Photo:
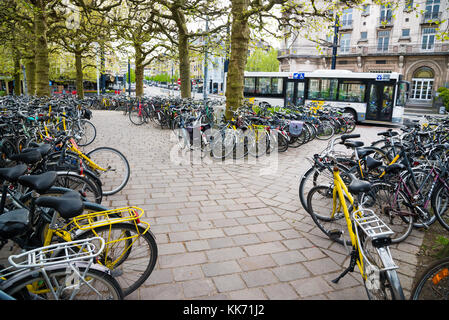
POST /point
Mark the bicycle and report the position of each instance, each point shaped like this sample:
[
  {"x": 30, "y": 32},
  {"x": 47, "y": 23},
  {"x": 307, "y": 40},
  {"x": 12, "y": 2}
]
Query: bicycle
[
  {"x": 63, "y": 271},
  {"x": 368, "y": 235},
  {"x": 433, "y": 283}
]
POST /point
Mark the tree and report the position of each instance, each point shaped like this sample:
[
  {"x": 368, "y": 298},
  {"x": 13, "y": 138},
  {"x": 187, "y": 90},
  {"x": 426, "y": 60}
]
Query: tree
[
  {"x": 288, "y": 14},
  {"x": 262, "y": 60}
]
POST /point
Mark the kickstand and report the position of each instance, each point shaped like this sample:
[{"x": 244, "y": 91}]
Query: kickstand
[{"x": 351, "y": 267}]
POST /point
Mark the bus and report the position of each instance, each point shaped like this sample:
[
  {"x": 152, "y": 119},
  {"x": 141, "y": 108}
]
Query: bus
[{"x": 369, "y": 97}]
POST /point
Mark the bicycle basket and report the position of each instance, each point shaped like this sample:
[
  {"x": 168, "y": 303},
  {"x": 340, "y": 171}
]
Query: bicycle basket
[{"x": 295, "y": 128}]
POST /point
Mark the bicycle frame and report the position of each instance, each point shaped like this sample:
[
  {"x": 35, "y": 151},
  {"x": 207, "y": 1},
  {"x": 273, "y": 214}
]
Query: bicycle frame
[{"x": 341, "y": 190}]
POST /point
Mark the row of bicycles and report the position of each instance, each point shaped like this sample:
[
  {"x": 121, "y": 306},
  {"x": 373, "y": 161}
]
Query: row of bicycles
[
  {"x": 369, "y": 198},
  {"x": 252, "y": 130},
  {"x": 70, "y": 245}
]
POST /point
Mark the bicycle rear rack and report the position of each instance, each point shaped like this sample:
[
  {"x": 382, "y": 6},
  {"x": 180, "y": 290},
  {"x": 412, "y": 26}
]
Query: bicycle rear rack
[
  {"x": 60, "y": 253},
  {"x": 371, "y": 224}
]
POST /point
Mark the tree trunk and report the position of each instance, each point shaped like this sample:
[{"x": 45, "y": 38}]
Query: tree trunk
[
  {"x": 184, "y": 65},
  {"x": 139, "y": 70},
  {"x": 30, "y": 70},
  {"x": 17, "y": 70},
  {"x": 183, "y": 51},
  {"x": 42, "y": 63},
  {"x": 237, "y": 61},
  {"x": 79, "y": 75}
]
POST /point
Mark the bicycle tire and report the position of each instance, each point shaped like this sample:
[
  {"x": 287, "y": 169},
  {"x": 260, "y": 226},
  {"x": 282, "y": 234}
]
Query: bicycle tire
[
  {"x": 99, "y": 280},
  {"x": 385, "y": 285},
  {"x": 136, "y": 116},
  {"x": 432, "y": 276},
  {"x": 119, "y": 162},
  {"x": 126, "y": 265},
  {"x": 439, "y": 203},
  {"x": 80, "y": 183},
  {"x": 327, "y": 224},
  {"x": 90, "y": 138}
]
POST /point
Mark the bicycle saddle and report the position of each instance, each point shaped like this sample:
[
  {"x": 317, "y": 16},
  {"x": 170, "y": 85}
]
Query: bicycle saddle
[
  {"x": 69, "y": 205},
  {"x": 14, "y": 223},
  {"x": 372, "y": 163},
  {"x": 358, "y": 186},
  {"x": 44, "y": 149},
  {"x": 395, "y": 168},
  {"x": 40, "y": 182},
  {"x": 13, "y": 173},
  {"x": 30, "y": 157},
  {"x": 353, "y": 144},
  {"x": 363, "y": 152}
]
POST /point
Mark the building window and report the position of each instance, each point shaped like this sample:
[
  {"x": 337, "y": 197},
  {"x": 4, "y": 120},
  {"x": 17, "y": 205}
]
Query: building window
[
  {"x": 383, "y": 38},
  {"x": 363, "y": 35},
  {"x": 365, "y": 9},
  {"x": 432, "y": 9},
  {"x": 346, "y": 19},
  {"x": 351, "y": 91},
  {"x": 408, "y": 5},
  {"x": 345, "y": 42},
  {"x": 422, "y": 84},
  {"x": 428, "y": 38},
  {"x": 405, "y": 33},
  {"x": 385, "y": 14}
]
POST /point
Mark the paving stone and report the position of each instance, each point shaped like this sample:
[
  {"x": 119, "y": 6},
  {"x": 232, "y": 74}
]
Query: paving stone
[
  {"x": 198, "y": 288},
  {"x": 220, "y": 268},
  {"x": 281, "y": 291},
  {"x": 259, "y": 278},
  {"x": 229, "y": 283}
]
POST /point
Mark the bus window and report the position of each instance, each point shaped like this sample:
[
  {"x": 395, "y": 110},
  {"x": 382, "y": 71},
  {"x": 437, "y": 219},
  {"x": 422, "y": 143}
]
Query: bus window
[
  {"x": 314, "y": 89},
  {"x": 263, "y": 86},
  {"x": 351, "y": 91},
  {"x": 325, "y": 89},
  {"x": 300, "y": 93},
  {"x": 276, "y": 85},
  {"x": 250, "y": 85},
  {"x": 329, "y": 89},
  {"x": 402, "y": 92}
]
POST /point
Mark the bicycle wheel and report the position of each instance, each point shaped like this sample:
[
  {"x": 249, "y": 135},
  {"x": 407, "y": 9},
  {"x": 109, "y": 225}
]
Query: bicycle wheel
[
  {"x": 130, "y": 253},
  {"x": 380, "y": 283},
  {"x": 93, "y": 285},
  {"x": 136, "y": 115},
  {"x": 88, "y": 133},
  {"x": 440, "y": 205},
  {"x": 325, "y": 131},
  {"x": 80, "y": 183},
  {"x": 320, "y": 204},
  {"x": 392, "y": 207},
  {"x": 317, "y": 176},
  {"x": 117, "y": 168},
  {"x": 433, "y": 284}
]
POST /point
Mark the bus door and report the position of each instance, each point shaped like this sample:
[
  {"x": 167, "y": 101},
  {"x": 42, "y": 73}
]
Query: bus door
[
  {"x": 294, "y": 93},
  {"x": 380, "y": 101}
]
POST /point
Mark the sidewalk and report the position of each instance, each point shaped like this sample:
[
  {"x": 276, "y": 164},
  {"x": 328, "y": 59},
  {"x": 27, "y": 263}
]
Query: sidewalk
[{"x": 224, "y": 231}]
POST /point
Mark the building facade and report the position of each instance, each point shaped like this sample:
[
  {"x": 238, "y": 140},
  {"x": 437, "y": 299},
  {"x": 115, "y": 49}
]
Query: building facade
[{"x": 383, "y": 39}]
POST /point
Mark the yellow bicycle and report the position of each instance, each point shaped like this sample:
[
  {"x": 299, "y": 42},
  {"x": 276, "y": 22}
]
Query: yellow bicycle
[
  {"x": 367, "y": 239},
  {"x": 130, "y": 249}
]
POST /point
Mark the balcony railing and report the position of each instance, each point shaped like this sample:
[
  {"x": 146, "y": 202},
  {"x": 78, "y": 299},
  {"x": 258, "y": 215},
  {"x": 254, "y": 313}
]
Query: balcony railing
[
  {"x": 384, "y": 22},
  {"x": 394, "y": 49},
  {"x": 373, "y": 50},
  {"x": 345, "y": 25}
]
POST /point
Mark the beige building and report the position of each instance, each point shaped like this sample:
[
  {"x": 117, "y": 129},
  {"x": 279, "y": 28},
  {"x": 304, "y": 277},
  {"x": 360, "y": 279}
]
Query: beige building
[{"x": 383, "y": 39}]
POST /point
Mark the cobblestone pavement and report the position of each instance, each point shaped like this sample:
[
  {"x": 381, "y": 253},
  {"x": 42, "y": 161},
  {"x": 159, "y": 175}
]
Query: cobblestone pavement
[{"x": 224, "y": 231}]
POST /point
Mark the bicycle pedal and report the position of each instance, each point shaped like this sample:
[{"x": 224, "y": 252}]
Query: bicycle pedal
[{"x": 335, "y": 234}]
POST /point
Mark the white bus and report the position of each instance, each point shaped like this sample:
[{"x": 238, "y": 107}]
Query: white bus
[{"x": 370, "y": 97}]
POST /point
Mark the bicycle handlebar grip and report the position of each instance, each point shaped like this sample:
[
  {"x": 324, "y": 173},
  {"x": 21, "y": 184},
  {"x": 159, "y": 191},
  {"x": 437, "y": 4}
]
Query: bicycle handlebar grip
[{"x": 349, "y": 136}]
